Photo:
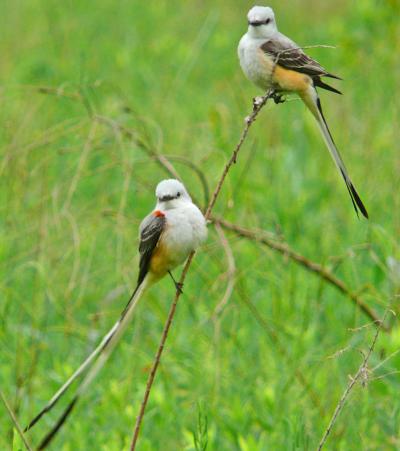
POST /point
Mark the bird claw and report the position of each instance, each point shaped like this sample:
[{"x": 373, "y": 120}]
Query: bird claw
[
  {"x": 278, "y": 98},
  {"x": 179, "y": 287}
]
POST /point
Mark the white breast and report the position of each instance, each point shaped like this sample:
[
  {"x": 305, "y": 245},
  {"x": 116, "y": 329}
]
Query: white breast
[
  {"x": 256, "y": 66},
  {"x": 185, "y": 231}
]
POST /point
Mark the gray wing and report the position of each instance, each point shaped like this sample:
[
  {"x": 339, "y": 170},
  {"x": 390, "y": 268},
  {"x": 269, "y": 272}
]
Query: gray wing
[
  {"x": 289, "y": 56},
  {"x": 150, "y": 231}
]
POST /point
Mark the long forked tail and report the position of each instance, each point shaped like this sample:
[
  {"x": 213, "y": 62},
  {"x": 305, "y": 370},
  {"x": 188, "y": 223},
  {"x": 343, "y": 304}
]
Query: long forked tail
[
  {"x": 102, "y": 351},
  {"x": 311, "y": 99}
]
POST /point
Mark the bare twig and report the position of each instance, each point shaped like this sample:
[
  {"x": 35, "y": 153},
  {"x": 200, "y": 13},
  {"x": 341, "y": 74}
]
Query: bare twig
[
  {"x": 134, "y": 137},
  {"x": 59, "y": 92},
  {"x": 360, "y": 375},
  {"x": 15, "y": 422},
  {"x": 163, "y": 160},
  {"x": 316, "y": 268},
  {"x": 317, "y": 46},
  {"x": 249, "y": 121},
  {"x": 200, "y": 174}
]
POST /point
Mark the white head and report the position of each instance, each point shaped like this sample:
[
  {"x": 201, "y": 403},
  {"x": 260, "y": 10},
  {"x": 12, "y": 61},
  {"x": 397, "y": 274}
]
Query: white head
[
  {"x": 171, "y": 194},
  {"x": 261, "y": 21}
]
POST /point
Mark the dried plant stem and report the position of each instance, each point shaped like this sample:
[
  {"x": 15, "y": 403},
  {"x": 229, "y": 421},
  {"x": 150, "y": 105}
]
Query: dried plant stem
[
  {"x": 249, "y": 121},
  {"x": 15, "y": 422},
  {"x": 316, "y": 268},
  {"x": 157, "y": 358},
  {"x": 140, "y": 142},
  {"x": 361, "y": 371},
  {"x": 258, "y": 105}
]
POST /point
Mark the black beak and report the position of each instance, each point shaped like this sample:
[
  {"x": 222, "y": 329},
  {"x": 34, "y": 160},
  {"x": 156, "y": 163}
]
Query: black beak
[
  {"x": 167, "y": 198},
  {"x": 256, "y": 23}
]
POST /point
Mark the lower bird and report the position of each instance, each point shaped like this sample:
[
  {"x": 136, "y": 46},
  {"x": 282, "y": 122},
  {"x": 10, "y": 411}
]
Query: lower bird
[
  {"x": 273, "y": 61},
  {"x": 168, "y": 235}
]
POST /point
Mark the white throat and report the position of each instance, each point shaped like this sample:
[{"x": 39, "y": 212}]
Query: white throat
[{"x": 262, "y": 31}]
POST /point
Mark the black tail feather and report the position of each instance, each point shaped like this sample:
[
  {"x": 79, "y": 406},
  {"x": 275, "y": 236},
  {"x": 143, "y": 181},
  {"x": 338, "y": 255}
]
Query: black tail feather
[
  {"x": 320, "y": 84},
  {"x": 355, "y": 198},
  {"x": 49, "y": 437},
  {"x": 358, "y": 201},
  {"x": 332, "y": 76}
]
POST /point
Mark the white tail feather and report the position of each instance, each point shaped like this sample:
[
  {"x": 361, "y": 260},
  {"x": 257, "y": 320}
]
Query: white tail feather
[
  {"x": 310, "y": 98},
  {"x": 105, "y": 348},
  {"x": 108, "y": 349}
]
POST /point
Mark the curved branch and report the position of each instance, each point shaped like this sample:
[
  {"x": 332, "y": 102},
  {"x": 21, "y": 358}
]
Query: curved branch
[{"x": 311, "y": 266}]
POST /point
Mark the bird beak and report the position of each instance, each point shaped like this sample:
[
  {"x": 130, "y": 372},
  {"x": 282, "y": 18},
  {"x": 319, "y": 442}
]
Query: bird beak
[
  {"x": 167, "y": 198},
  {"x": 256, "y": 23}
]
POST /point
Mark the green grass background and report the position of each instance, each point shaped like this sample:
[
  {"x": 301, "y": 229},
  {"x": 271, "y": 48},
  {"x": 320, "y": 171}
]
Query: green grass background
[{"x": 74, "y": 190}]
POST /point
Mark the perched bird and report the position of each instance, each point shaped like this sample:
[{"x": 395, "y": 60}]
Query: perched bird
[
  {"x": 174, "y": 229},
  {"x": 273, "y": 61}
]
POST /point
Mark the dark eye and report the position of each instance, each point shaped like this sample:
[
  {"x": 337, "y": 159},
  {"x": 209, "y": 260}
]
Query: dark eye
[
  {"x": 267, "y": 21},
  {"x": 178, "y": 194}
]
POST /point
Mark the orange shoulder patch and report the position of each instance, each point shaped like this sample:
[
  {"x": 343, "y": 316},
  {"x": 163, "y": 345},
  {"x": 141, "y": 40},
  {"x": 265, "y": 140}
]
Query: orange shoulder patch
[{"x": 158, "y": 214}]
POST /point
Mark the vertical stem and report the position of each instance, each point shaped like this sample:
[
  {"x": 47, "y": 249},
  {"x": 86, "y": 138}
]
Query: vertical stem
[{"x": 257, "y": 106}]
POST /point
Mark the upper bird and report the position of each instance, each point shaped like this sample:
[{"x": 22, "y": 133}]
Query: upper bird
[
  {"x": 273, "y": 61},
  {"x": 174, "y": 229}
]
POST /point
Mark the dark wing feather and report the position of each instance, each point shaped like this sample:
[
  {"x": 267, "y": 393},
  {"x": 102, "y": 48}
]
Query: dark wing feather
[
  {"x": 150, "y": 231},
  {"x": 294, "y": 59}
]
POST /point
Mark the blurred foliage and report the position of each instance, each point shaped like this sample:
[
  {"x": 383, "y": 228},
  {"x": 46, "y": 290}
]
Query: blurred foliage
[{"x": 73, "y": 191}]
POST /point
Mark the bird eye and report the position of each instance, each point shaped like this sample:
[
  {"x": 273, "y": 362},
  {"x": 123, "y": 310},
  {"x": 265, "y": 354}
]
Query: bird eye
[
  {"x": 178, "y": 194},
  {"x": 267, "y": 21}
]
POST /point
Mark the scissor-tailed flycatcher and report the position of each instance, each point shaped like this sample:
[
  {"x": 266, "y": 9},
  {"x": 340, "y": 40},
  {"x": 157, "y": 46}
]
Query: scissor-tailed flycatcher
[
  {"x": 168, "y": 235},
  {"x": 272, "y": 60}
]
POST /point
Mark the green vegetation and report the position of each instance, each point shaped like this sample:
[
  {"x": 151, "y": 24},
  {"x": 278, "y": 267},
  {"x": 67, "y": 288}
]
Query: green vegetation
[{"x": 73, "y": 190}]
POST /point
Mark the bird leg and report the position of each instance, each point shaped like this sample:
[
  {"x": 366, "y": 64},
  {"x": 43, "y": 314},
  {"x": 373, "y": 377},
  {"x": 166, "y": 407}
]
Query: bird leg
[{"x": 178, "y": 285}]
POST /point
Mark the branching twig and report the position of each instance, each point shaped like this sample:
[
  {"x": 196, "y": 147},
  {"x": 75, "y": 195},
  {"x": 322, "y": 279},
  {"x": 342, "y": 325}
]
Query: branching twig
[
  {"x": 362, "y": 370},
  {"x": 15, "y": 422},
  {"x": 249, "y": 121},
  {"x": 316, "y": 268}
]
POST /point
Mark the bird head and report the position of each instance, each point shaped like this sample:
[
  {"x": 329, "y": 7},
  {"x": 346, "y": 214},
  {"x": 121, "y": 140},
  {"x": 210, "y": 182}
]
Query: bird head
[
  {"x": 261, "y": 21},
  {"x": 171, "y": 194}
]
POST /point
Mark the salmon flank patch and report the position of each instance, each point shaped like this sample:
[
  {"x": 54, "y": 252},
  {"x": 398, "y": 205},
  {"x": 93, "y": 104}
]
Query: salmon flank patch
[
  {"x": 159, "y": 262},
  {"x": 158, "y": 214},
  {"x": 290, "y": 80}
]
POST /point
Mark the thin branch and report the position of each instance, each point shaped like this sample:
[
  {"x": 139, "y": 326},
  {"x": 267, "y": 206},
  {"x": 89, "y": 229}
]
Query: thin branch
[
  {"x": 311, "y": 266},
  {"x": 257, "y": 106},
  {"x": 15, "y": 422},
  {"x": 162, "y": 159},
  {"x": 200, "y": 174},
  {"x": 157, "y": 358},
  {"x": 134, "y": 137},
  {"x": 362, "y": 370},
  {"x": 317, "y": 46}
]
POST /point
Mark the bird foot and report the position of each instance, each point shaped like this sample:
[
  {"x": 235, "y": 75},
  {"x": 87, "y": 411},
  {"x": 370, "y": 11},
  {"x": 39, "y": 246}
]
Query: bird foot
[
  {"x": 278, "y": 98},
  {"x": 179, "y": 287}
]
